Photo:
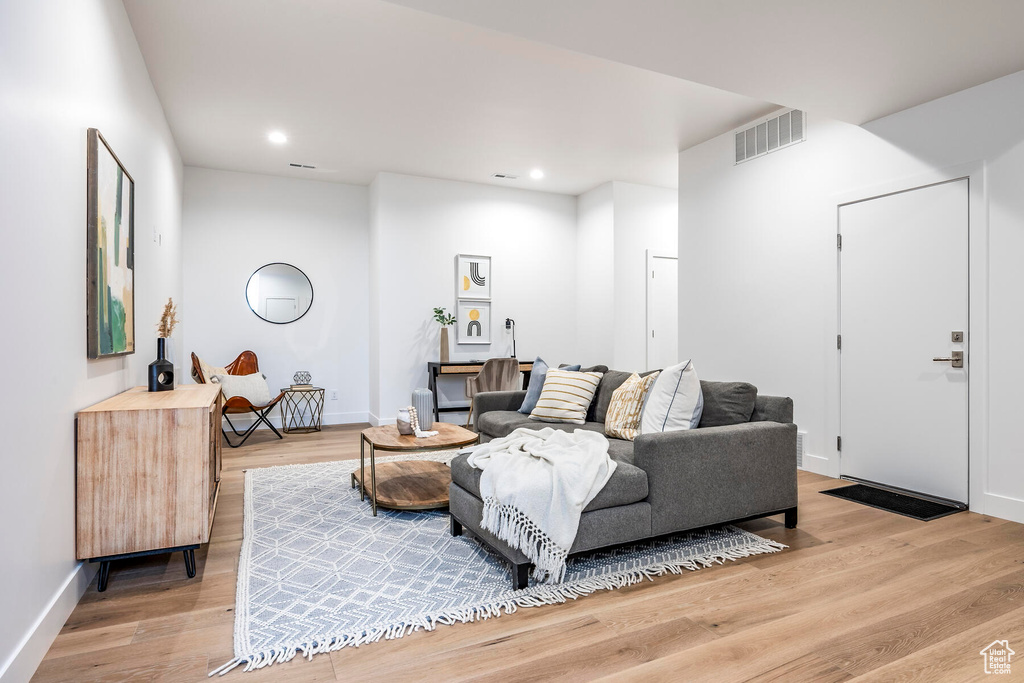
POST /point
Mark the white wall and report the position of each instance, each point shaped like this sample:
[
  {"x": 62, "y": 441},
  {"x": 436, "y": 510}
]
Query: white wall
[
  {"x": 646, "y": 219},
  {"x": 618, "y": 223},
  {"x": 67, "y": 66},
  {"x": 758, "y": 281},
  {"x": 234, "y": 223},
  {"x": 595, "y": 276},
  {"x": 420, "y": 225}
]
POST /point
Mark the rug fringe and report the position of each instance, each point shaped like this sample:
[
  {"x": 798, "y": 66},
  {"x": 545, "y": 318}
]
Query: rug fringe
[{"x": 540, "y": 594}]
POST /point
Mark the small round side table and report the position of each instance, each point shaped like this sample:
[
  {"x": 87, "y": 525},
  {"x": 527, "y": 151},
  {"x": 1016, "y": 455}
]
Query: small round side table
[{"x": 302, "y": 410}]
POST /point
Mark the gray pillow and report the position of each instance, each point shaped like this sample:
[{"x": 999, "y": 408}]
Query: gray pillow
[
  {"x": 727, "y": 403},
  {"x": 611, "y": 381}
]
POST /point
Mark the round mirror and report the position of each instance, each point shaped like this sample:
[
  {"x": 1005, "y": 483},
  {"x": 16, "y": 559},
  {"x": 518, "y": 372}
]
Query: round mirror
[{"x": 279, "y": 293}]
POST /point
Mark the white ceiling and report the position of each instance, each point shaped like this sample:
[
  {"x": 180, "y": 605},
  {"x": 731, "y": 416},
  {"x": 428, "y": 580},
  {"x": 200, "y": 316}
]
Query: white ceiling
[
  {"x": 587, "y": 90},
  {"x": 362, "y": 86},
  {"x": 853, "y": 60}
]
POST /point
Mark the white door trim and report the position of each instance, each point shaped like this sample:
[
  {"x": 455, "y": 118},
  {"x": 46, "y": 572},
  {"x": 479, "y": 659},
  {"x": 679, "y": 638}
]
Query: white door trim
[
  {"x": 650, "y": 256},
  {"x": 978, "y": 259}
]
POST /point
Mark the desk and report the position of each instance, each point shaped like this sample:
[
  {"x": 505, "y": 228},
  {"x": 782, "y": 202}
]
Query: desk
[{"x": 463, "y": 367}]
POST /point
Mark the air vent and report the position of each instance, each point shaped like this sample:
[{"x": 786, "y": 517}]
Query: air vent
[
  {"x": 504, "y": 176},
  {"x": 302, "y": 166},
  {"x": 767, "y": 136},
  {"x": 801, "y": 440}
]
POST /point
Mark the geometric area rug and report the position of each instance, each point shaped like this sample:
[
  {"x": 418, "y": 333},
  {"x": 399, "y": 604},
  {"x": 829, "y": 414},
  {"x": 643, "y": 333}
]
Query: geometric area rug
[{"x": 317, "y": 572}]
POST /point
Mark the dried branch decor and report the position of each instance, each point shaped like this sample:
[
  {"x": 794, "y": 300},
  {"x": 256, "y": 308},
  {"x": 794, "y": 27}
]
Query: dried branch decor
[{"x": 168, "y": 320}]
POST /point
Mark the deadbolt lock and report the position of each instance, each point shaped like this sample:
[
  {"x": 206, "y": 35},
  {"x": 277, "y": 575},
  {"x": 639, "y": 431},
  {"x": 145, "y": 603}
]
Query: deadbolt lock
[
  {"x": 956, "y": 358},
  {"x": 956, "y": 336}
]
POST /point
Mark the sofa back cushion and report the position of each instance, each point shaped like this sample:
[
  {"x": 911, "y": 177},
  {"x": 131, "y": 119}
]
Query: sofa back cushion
[
  {"x": 611, "y": 381},
  {"x": 675, "y": 401},
  {"x": 623, "y": 419},
  {"x": 566, "y": 396},
  {"x": 727, "y": 403}
]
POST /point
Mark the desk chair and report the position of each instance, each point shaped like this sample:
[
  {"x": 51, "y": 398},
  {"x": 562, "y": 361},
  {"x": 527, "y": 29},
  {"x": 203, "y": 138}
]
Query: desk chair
[{"x": 496, "y": 374}]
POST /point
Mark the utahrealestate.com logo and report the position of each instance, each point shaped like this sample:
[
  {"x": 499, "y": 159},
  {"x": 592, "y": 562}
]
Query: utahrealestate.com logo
[{"x": 997, "y": 657}]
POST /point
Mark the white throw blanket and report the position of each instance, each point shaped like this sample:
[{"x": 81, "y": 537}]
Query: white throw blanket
[{"x": 535, "y": 484}]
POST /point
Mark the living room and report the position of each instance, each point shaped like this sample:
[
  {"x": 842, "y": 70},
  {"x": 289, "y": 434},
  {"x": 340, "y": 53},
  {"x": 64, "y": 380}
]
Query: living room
[{"x": 624, "y": 147}]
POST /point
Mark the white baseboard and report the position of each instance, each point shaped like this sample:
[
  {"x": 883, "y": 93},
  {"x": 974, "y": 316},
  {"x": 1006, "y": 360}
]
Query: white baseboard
[
  {"x": 1003, "y": 507},
  {"x": 33, "y": 647},
  {"x": 819, "y": 465},
  {"x": 243, "y": 421}
]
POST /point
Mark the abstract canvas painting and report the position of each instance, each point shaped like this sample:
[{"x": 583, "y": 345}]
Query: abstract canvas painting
[
  {"x": 110, "y": 262},
  {"x": 473, "y": 277},
  {"x": 474, "y": 322}
]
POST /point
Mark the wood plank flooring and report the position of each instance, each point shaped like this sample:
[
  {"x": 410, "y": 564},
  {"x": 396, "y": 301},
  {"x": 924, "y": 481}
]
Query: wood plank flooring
[{"x": 860, "y": 595}]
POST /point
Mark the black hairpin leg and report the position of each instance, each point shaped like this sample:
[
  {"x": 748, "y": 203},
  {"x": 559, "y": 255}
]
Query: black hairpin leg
[{"x": 104, "y": 576}]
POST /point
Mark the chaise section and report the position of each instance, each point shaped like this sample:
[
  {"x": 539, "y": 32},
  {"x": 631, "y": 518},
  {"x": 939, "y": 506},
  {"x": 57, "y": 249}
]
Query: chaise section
[{"x": 705, "y": 476}]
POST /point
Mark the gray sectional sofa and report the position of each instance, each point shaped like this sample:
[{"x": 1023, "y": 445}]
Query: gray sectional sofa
[{"x": 740, "y": 463}]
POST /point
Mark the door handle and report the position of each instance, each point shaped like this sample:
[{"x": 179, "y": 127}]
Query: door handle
[{"x": 956, "y": 358}]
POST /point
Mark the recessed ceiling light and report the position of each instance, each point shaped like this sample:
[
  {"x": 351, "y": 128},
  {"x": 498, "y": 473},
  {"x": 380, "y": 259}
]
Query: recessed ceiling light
[
  {"x": 277, "y": 137},
  {"x": 536, "y": 174}
]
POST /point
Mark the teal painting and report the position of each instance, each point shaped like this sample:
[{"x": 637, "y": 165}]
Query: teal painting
[{"x": 110, "y": 262}]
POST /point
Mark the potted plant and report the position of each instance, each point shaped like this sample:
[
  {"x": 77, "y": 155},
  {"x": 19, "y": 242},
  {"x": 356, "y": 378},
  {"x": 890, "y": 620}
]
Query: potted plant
[{"x": 446, "y": 320}]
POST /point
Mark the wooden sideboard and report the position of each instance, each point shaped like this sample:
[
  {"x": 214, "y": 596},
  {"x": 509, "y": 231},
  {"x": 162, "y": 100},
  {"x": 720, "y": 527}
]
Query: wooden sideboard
[{"x": 148, "y": 474}]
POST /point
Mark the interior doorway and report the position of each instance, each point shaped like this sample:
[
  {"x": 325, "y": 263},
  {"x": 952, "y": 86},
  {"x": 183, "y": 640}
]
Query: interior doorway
[
  {"x": 904, "y": 340},
  {"x": 662, "y": 311}
]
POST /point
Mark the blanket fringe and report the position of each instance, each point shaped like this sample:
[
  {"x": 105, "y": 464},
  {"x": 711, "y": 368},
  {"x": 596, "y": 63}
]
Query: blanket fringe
[
  {"x": 510, "y": 525},
  {"x": 535, "y": 596}
]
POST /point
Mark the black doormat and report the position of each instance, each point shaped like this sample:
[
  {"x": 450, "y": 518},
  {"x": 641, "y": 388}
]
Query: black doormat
[{"x": 908, "y": 506}]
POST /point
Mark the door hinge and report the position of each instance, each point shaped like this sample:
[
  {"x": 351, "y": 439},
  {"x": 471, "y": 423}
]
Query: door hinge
[
  {"x": 839, "y": 241},
  {"x": 839, "y": 443},
  {"x": 652, "y": 334},
  {"x": 839, "y": 341}
]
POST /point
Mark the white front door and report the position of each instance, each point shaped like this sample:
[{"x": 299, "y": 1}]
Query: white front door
[
  {"x": 662, "y": 311},
  {"x": 903, "y": 296}
]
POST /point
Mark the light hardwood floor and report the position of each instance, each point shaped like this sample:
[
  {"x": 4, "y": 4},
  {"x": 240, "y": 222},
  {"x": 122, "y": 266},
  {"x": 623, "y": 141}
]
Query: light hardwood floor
[{"x": 861, "y": 594}]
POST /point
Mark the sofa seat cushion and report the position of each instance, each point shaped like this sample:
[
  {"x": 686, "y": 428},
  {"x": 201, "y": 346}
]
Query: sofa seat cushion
[
  {"x": 499, "y": 423},
  {"x": 495, "y": 424},
  {"x": 628, "y": 483}
]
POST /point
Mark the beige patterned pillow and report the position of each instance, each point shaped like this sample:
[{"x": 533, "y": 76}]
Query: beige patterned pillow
[
  {"x": 627, "y": 405},
  {"x": 566, "y": 396}
]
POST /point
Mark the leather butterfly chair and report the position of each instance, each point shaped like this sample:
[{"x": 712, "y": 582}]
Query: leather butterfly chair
[
  {"x": 496, "y": 374},
  {"x": 245, "y": 364}
]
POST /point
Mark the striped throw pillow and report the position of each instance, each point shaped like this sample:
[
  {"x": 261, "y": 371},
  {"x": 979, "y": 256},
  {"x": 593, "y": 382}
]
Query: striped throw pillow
[
  {"x": 566, "y": 396},
  {"x": 623, "y": 419}
]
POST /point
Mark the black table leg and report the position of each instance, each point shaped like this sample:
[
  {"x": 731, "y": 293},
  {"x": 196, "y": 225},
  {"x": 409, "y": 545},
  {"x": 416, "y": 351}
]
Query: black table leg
[
  {"x": 433, "y": 390},
  {"x": 104, "y": 576}
]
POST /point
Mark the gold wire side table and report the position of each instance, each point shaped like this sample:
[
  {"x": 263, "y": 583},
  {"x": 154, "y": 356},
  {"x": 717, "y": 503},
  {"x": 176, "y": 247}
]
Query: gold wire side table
[{"x": 302, "y": 410}]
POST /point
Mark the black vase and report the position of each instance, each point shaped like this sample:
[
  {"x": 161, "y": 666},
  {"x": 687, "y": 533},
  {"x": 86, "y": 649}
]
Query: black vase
[{"x": 161, "y": 371}]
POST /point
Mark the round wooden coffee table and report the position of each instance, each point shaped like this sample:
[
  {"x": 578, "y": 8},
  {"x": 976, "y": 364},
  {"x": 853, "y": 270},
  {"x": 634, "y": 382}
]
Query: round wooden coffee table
[{"x": 408, "y": 484}]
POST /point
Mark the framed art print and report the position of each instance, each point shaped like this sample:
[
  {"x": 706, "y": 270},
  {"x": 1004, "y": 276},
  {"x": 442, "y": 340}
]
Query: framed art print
[
  {"x": 474, "y": 322},
  {"x": 110, "y": 252},
  {"x": 473, "y": 277}
]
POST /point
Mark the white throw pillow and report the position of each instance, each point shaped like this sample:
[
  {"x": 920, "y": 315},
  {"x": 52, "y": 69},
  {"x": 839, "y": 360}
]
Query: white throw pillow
[
  {"x": 675, "y": 402},
  {"x": 566, "y": 396},
  {"x": 253, "y": 388}
]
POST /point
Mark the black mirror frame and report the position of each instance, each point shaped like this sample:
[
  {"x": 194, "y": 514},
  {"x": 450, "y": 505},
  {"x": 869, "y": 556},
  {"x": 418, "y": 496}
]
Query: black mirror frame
[{"x": 312, "y": 292}]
